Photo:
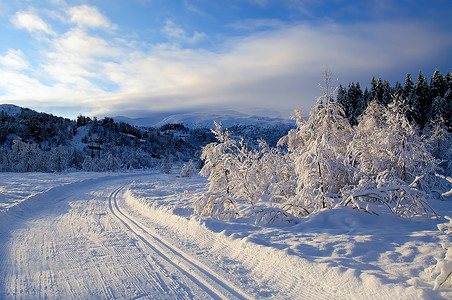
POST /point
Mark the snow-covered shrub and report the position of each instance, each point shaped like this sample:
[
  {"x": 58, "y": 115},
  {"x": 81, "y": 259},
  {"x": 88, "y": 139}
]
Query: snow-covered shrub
[
  {"x": 217, "y": 205},
  {"x": 391, "y": 163},
  {"x": 443, "y": 267},
  {"x": 167, "y": 163},
  {"x": 387, "y": 191},
  {"x": 217, "y": 159},
  {"x": 277, "y": 173},
  {"x": 273, "y": 215},
  {"x": 385, "y": 140},
  {"x": 188, "y": 170},
  {"x": 243, "y": 182}
]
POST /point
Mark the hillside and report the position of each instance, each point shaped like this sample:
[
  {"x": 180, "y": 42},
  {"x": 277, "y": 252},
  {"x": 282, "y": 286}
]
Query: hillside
[{"x": 34, "y": 141}]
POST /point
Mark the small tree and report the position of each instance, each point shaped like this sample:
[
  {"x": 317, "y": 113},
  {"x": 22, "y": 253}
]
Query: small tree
[
  {"x": 188, "y": 170},
  {"x": 167, "y": 163},
  {"x": 61, "y": 156},
  {"x": 318, "y": 147}
]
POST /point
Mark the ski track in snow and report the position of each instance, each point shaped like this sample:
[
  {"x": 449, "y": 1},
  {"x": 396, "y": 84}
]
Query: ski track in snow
[
  {"x": 199, "y": 274},
  {"x": 132, "y": 236}
]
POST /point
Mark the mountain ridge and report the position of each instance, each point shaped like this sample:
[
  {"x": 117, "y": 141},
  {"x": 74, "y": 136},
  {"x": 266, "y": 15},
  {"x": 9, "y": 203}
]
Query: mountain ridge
[{"x": 206, "y": 119}]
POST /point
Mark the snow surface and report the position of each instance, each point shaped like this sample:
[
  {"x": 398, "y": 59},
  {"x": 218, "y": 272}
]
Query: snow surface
[{"x": 132, "y": 235}]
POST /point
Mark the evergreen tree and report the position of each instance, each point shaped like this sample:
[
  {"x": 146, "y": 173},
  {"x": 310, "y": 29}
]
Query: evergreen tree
[
  {"x": 421, "y": 101},
  {"x": 376, "y": 89},
  {"x": 386, "y": 95},
  {"x": 438, "y": 85},
  {"x": 397, "y": 90},
  {"x": 408, "y": 99}
]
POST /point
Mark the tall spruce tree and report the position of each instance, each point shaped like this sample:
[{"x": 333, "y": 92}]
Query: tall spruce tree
[{"x": 422, "y": 101}]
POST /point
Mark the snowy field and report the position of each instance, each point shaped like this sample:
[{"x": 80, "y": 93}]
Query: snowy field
[{"x": 133, "y": 236}]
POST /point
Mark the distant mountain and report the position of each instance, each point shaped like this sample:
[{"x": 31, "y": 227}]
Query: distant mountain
[
  {"x": 10, "y": 109},
  {"x": 142, "y": 122},
  {"x": 205, "y": 119}
]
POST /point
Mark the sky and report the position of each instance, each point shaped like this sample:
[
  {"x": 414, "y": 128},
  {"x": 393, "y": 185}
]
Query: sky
[{"x": 138, "y": 57}]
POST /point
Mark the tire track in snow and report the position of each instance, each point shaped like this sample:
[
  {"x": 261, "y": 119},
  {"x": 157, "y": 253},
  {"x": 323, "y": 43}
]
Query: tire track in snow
[{"x": 203, "y": 277}]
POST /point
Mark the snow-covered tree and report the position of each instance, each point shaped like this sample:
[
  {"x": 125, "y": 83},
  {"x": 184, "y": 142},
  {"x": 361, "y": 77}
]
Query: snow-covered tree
[
  {"x": 440, "y": 144},
  {"x": 422, "y": 101},
  {"x": 24, "y": 156},
  {"x": 61, "y": 158},
  {"x": 318, "y": 147},
  {"x": 5, "y": 161}
]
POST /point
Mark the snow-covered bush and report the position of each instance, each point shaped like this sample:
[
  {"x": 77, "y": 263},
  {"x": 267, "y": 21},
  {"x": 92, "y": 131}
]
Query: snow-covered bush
[
  {"x": 387, "y": 191},
  {"x": 243, "y": 182},
  {"x": 220, "y": 205},
  {"x": 188, "y": 170},
  {"x": 385, "y": 140},
  {"x": 217, "y": 158},
  {"x": 391, "y": 163}
]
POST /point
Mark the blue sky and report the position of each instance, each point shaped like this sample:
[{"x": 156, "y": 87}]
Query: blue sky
[{"x": 135, "y": 57}]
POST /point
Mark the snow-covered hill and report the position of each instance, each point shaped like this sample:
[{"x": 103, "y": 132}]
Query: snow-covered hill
[{"x": 10, "y": 109}]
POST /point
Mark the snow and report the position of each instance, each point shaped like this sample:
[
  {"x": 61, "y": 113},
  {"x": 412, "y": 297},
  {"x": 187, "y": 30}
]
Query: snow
[
  {"x": 20, "y": 187},
  {"x": 134, "y": 235}
]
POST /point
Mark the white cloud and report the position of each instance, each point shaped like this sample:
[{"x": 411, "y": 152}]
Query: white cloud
[
  {"x": 261, "y": 3},
  {"x": 14, "y": 59},
  {"x": 75, "y": 59},
  {"x": 176, "y": 33},
  {"x": 31, "y": 22},
  {"x": 89, "y": 16}
]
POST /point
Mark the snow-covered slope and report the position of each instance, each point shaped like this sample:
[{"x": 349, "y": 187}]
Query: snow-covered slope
[{"x": 10, "y": 109}]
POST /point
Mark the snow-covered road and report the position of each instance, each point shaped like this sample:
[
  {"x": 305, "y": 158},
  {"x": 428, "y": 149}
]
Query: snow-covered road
[
  {"x": 133, "y": 236},
  {"x": 77, "y": 242}
]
